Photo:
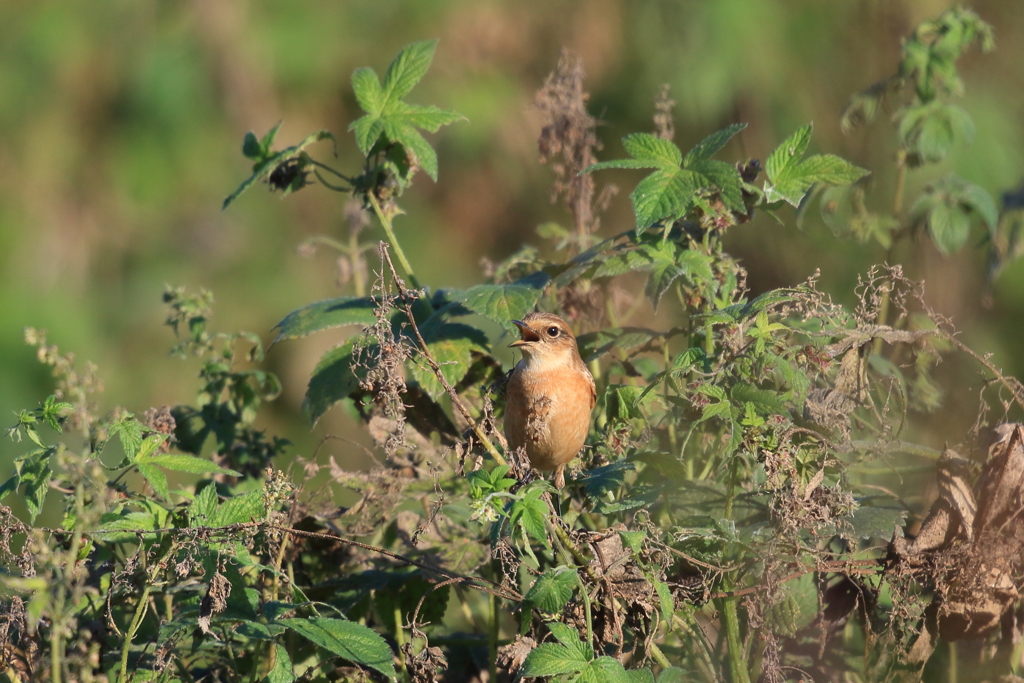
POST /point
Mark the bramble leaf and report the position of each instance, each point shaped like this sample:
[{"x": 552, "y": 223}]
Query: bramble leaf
[
  {"x": 676, "y": 184},
  {"x": 789, "y": 178},
  {"x": 332, "y": 380},
  {"x": 269, "y": 162}
]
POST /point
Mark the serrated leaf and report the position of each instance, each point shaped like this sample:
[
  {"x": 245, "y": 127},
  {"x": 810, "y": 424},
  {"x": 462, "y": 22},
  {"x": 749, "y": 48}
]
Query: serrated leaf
[
  {"x": 157, "y": 479},
  {"x": 531, "y": 512},
  {"x": 353, "y": 642},
  {"x": 626, "y": 262},
  {"x": 788, "y": 154},
  {"x": 725, "y": 178},
  {"x": 452, "y": 346},
  {"x": 767, "y": 402},
  {"x": 549, "y": 659},
  {"x": 332, "y": 380},
  {"x": 709, "y": 146},
  {"x": 604, "y": 670},
  {"x": 664, "y": 195},
  {"x": 239, "y": 509},
  {"x": 569, "y": 638},
  {"x": 266, "y": 167},
  {"x": 647, "y": 147},
  {"x": 129, "y": 431},
  {"x": 673, "y": 674},
  {"x": 418, "y": 150},
  {"x": 553, "y": 590},
  {"x": 503, "y": 303},
  {"x": 367, "y": 89},
  {"x": 666, "y": 602},
  {"x": 408, "y": 68},
  {"x": 187, "y": 463},
  {"x": 323, "y": 315},
  {"x": 829, "y": 169},
  {"x": 203, "y": 507},
  {"x": 949, "y": 227}
]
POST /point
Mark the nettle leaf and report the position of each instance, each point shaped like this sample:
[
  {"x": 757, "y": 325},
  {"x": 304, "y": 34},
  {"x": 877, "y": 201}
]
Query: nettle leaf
[
  {"x": 350, "y": 641},
  {"x": 674, "y": 187},
  {"x": 502, "y": 303},
  {"x": 948, "y": 208},
  {"x": 268, "y": 162},
  {"x": 789, "y": 178},
  {"x": 129, "y": 430},
  {"x": 323, "y": 315},
  {"x": 283, "y": 671},
  {"x": 673, "y": 674},
  {"x": 32, "y": 471},
  {"x": 203, "y": 507},
  {"x": 452, "y": 346},
  {"x": 387, "y": 114},
  {"x": 332, "y": 381},
  {"x": 553, "y": 590},
  {"x": 626, "y": 262}
]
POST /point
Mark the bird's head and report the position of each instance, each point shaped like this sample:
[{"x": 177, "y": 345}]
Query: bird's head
[{"x": 545, "y": 338}]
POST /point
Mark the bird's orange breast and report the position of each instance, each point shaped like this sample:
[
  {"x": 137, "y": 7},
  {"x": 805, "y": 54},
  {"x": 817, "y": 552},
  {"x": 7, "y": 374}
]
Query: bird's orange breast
[{"x": 547, "y": 412}]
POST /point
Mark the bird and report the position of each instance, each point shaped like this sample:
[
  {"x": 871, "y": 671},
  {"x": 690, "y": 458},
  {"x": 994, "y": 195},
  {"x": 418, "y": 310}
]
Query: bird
[{"x": 549, "y": 396}]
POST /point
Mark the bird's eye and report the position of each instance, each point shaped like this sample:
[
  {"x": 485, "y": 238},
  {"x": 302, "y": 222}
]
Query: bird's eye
[{"x": 553, "y": 331}]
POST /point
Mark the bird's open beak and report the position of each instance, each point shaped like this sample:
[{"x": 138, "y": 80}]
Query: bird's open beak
[{"x": 529, "y": 336}]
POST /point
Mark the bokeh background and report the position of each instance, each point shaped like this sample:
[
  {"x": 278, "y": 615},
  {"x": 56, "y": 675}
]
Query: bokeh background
[{"x": 121, "y": 126}]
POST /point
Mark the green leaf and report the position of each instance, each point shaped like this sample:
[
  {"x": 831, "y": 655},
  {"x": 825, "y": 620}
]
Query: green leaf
[
  {"x": 666, "y": 602},
  {"x": 553, "y": 590},
  {"x": 549, "y": 659},
  {"x": 157, "y": 479},
  {"x": 531, "y": 512},
  {"x": 366, "y": 86},
  {"x": 32, "y": 471},
  {"x": 948, "y": 227},
  {"x": 188, "y": 463},
  {"x": 604, "y": 670},
  {"x": 664, "y": 195},
  {"x": 646, "y": 147},
  {"x": 408, "y": 68},
  {"x": 387, "y": 114},
  {"x": 323, "y": 315},
  {"x": 569, "y": 638},
  {"x": 673, "y": 674},
  {"x": 353, "y": 642},
  {"x": 671, "y": 191},
  {"x": 264, "y": 168},
  {"x": 251, "y": 146},
  {"x": 789, "y": 178},
  {"x": 203, "y": 507},
  {"x": 787, "y": 155},
  {"x": 503, "y": 303},
  {"x": 129, "y": 430},
  {"x": 626, "y": 262},
  {"x": 766, "y": 402},
  {"x": 452, "y": 346},
  {"x": 240, "y": 510},
  {"x": 332, "y": 380},
  {"x": 709, "y": 146}
]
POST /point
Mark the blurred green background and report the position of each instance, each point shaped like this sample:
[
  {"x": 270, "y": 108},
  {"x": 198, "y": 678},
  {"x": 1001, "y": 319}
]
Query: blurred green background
[{"x": 121, "y": 126}]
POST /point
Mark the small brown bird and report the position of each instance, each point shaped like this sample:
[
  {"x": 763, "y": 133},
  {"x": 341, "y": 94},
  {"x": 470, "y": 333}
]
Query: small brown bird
[{"x": 549, "y": 396}]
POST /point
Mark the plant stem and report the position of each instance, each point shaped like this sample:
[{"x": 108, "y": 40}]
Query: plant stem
[
  {"x": 492, "y": 641},
  {"x": 659, "y": 656},
  {"x": 400, "y": 641},
  {"x": 393, "y": 241},
  {"x": 140, "y": 613},
  {"x": 731, "y": 623}
]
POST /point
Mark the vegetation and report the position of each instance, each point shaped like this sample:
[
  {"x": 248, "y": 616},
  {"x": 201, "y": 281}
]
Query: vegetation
[{"x": 729, "y": 519}]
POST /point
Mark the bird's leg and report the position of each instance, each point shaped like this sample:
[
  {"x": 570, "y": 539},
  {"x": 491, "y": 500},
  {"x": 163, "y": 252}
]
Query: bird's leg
[{"x": 560, "y": 477}]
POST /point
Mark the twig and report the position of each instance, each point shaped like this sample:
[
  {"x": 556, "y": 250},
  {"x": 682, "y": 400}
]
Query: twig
[{"x": 457, "y": 402}]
